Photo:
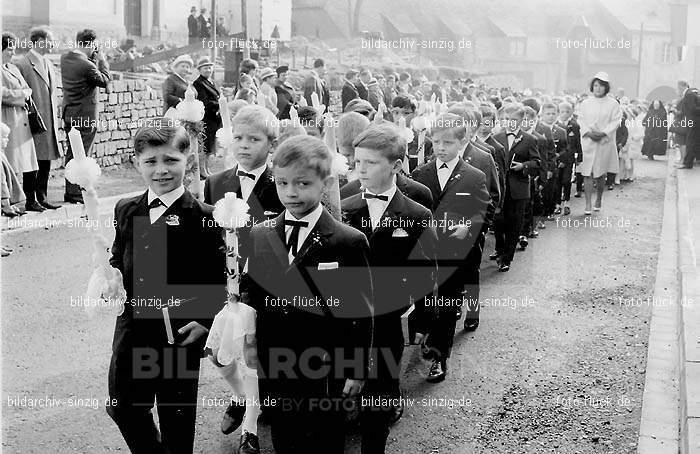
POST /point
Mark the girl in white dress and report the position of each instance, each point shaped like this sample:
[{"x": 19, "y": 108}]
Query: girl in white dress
[{"x": 599, "y": 118}]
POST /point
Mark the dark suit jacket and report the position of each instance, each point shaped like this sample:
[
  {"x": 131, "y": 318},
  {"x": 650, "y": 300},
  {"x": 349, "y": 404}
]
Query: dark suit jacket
[
  {"x": 192, "y": 26},
  {"x": 561, "y": 144},
  {"x": 547, "y": 149},
  {"x": 402, "y": 257},
  {"x": 690, "y": 110},
  {"x": 499, "y": 157},
  {"x": 573, "y": 152},
  {"x": 324, "y": 329},
  {"x": 81, "y": 77},
  {"x": 412, "y": 189},
  {"x": 179, "y": 256},
  {"x": 347, "y": 94},
  {"x": 203, "y": 25},
  {"x": 362, "y": 90},
  {"x": 173, "y": 91},
  {"x": 483, "y": 161},
  {"x": 209, "y": 95},
  {"x": 286, "y": 98},
  {"x": 464, "y": 199},
  {"x": 314, "y": 84},
  {"x": 524, "y": 151}
]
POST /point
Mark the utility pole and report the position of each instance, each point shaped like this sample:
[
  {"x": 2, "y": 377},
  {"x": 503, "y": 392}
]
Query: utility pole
[
  {"x": 639, "y": 60},
  {"x": 244, "y": 27},
  {"x": 214, "y": 20}
]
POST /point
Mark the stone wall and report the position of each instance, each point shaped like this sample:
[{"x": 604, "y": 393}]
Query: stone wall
[{"x": 119, "y": 113}]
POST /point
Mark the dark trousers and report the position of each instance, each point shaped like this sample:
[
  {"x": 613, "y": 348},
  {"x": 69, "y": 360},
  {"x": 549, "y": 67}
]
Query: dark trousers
[
  {"x": 510, "y": 227},
  {"x": 140, "y": 373},
  {"x": 42, "y": 180},
  {"x": 454, "y": 277},
  {"x": 375, "y": 420},
  {"x": 88, "y": 136},
  {"x": 692, "y": 147},
  {"x": 579, "y": 182},
  {"x": 299, "y": 426},
  {"x": 471, "y": 289},
  {"x": 549, "y": 194},
  {"x": 29, "y": 186},
  {"x": 610, "y": 179},
  {"x": 564, "y": 184},
  {"x": 533, "y": 207}
]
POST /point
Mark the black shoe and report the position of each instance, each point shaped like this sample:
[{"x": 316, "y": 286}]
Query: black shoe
[
  {"x": 578, "y": 195},
  {"x": 458, "y": 314},
  {"x": 567, "y": 211},
  {"x": 503, "y": 267},
  {"x": 523, "y": 242},
  {"x": 493, "y": 256},
  {"x": 471, "y": 325},
  {"x": 611, "y": 187},
  {"x": 533, "y": 234},
  {"x": 249, "y": 444},
  {"x": 233, "y": 418},
  {"x": 34, "y": 206},
  {"x": 48, "y": 206},
  {"x": 438, "y": 372},
  {"x": 396, "y": 413},
  {"x": 557, "y": 211},
  {"x": 73, "y": 199}
]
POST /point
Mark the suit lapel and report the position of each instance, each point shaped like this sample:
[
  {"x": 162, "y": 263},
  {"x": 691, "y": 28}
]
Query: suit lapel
[
  {"x": 278, "y": 241},
  {"x": 456, "y": 175},
  {"x": 393, "y": 210},
  {"x": 39, "y": 67},
  {"x": 316, "y": 238},
  {"x": 432, "y": 180},
  {"x": 234, "y": 182},
  {"x": 511, "y": 151}
]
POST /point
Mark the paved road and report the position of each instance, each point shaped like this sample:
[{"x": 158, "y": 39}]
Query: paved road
[{"x": 557, "y": 364}]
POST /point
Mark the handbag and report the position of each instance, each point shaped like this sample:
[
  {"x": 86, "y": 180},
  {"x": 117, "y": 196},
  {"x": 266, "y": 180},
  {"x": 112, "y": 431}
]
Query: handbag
[{"x": 36, "y": 123}]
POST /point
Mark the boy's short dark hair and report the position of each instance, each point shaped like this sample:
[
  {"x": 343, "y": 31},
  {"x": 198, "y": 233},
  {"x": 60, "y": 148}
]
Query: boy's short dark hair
[
  {"x": 308, "y": 117},
  {"x": 161, "y": 131},
  {"x": 247, "y": 65},
  {"x": 384, "y": 138},
  {"x": 532, "y": 103},
  {"x": 449, "y": 122},
  {"x": 85, "y": 37},
  {"x": 319, "y": 63},
  {"x": 403, "y": 102},
  {"x": 306, "y": 151}
]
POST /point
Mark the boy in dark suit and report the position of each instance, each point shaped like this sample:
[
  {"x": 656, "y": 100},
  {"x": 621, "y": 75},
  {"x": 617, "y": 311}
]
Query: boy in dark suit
[
  {"x": 254, "y": 136},
  {"x": 538, "y": 178},
  {"x": 402, "y": 242},
  {"x": 460, "y": 202},
  {"x": 522, "y": 160},
  {"x": 169, "y": 251},
  {"x": 573, "y": 150},
  {"x": 488, "y": 121},
  {"x": 310, "y": 283},
  {"x": 548, "y": 116}
]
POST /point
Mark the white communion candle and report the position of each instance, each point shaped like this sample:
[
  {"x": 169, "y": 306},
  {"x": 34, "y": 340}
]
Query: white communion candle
[{"x": 76, "y": 144}]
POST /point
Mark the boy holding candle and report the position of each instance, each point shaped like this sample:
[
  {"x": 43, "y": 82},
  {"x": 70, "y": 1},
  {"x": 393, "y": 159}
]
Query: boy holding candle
[
  {"x": 460, "y": 201},
  {"x": 159, "y": 338},
  {"x": 312, "y": 356}
]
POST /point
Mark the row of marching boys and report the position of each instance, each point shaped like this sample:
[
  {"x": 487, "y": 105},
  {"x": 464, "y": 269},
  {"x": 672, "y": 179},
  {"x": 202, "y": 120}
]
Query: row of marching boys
[{"x": 328, "y": 294}]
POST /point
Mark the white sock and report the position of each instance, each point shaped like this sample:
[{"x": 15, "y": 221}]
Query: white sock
[{"x": 252, "y": 406}]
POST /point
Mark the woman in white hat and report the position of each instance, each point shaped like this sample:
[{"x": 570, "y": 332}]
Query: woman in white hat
[
  {"x": 268, "y": 76},
  {"x": 599, "y": 118},
  {"x": 176, "y": 83}
]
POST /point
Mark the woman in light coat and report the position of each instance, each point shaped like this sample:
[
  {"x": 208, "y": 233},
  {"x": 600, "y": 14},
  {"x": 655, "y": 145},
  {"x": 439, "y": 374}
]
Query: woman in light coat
[
  {"x": 20, "y": 150},
  {"x": 599, "y": 118}
]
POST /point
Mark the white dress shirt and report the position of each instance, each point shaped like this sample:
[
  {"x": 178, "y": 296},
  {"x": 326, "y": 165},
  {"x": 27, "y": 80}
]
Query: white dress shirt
[
  {"x": 511, "y": 139},
  {"x": 378, "y": 207},
  {"x": 444, "y": 173},
  {"x": 168, "y": 199},
  {"x": 247, "y": 184},
  {"x": 312, "y": 218}
]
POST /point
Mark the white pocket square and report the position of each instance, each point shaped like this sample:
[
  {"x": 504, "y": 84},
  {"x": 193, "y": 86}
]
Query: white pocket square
[
  {"x": 328, "y": 266},
  {"x": 270, "y": 213},
  {"x": 399, "y": 233},
  {"x": 464, "y": 193}
]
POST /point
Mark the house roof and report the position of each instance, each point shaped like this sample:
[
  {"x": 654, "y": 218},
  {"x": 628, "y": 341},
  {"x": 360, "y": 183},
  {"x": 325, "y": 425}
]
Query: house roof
[
  {"x": 509, "y": 28},
  {"x": 315, "y": 22},
  {"x": 402, "y": 23}
]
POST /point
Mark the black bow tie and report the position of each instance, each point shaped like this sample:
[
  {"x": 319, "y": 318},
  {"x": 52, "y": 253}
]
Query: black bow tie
[
  {"x": 369, "y": 195},
  {"x": 511, "y": 134},
  {"x": 292, "y": 243},
  {"x": 155, "y": 203},
  {"x": 241, "y": 173},
  {"x": 444, "y": 166}
]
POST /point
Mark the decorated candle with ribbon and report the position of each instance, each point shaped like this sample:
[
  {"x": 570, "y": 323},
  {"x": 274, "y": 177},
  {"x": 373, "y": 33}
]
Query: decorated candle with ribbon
[
  {"x": 231, "y": 213},
  {"x": 339, "y": 166}
]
